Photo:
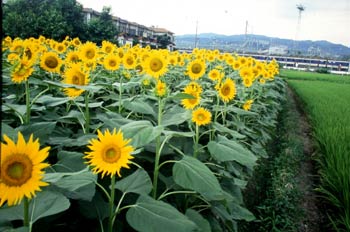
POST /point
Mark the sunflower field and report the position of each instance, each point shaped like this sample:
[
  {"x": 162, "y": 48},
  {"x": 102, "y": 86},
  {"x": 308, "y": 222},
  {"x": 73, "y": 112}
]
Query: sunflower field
[{"x": 108, "y": 138}]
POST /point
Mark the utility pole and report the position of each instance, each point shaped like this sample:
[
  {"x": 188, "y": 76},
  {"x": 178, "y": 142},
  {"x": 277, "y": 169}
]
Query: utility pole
[
  {"x": 195, "y": 38},
  {"x": 300, "y": 8}
]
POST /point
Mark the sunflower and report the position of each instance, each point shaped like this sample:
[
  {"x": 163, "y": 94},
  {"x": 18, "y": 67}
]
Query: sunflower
[
  {"x": 129, "y": 60},
  {"x": 227, "y": 90},
  {"x": 50, "y": 62},
  {"x": 21, "y": 71},
  {"x": 108, "y": 47},
  {"x": 247, "y": 82},
  {"x": 201, "y": 116},
  {"x": 195, "y": 90},
  {"x": 248, "y": 104},
  {"x": 88, "y": 52},
  {"x": 246, "y": 72},
  {"x": 160, "y": 89},
  {"x": 196, "y": 69},
  {"x": 75, "y": 76},
  {"x": 109, "y": 153},
  {"x": 76, "y": 42},
  {"x": 215, "y": 75},
  {"x": 21, "y": 169},
  {"x": 61, "y": 47},
  {"x": 155, "y": 64},
  {"x": 72, "y": 57},
  {"x": 111, "y": 62}
]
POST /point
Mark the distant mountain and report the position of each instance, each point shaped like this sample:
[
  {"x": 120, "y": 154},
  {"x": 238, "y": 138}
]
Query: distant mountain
[{"x": 263, "y": 44}]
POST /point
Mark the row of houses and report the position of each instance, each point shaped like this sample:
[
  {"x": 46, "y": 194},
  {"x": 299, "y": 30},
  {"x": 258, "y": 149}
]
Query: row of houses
[{"x": 131, "y": 31}]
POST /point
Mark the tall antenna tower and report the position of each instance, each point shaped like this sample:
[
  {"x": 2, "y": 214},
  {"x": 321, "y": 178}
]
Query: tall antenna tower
[
  {"x": 300, "y": 8},
  {"x": 196, "y": 36}
]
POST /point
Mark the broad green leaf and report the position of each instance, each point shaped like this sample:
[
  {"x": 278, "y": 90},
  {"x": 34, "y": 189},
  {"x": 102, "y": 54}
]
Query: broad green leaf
[
  {"x": 138, "y": 182},
  {"x": 240, "y": 213},
  {"x": 91, "y": 104},
  {"x": 75, "y": 185},
  {"x": 10, "y": 213},
  {"x": 47, "y": 203},
  {"x": 180, "y": 96},
  {"x": 40, "y": 130},
  {"x": 190, "y": 173},
  {"x": 175, "y": 116},
  {"x": 240, "y": 111},
  {"x": 96, "y": 208},
  {"x": 230, "y": 150},
  {"x": 20, "y": 109},
  {"x": 223, "y": 129},
  {"x": 141, "y": 132},
  {"x": 69, "y": 161},
  {"x": 178, "y": 133},
  {"x": 149, "y": 215},
  {"x": 91, "y": 87},
  {"x": 138, "y": 106},
  {"x": 200, "y": 221},
  {"x": 9, "y": 131},
  {"x": 48, "y": 100}
]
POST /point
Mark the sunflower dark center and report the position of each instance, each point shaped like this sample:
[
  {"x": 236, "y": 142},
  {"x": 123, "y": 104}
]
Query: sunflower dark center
[
  {"x": 225, "y": 90},
  {"x": 16, "y": 170},
  {"x": 112, "y": 155},
  {"x": 112, "y": 63},
  {"x": 196, "y": 68},
  {"x": 200, "y": 117},
  {"x": 129, "y": 60},
  {"x": 51, "y": 62},
  {"x": 78, "y": 79},
  {"x": 156, "y": 65},
  {"x": 90, "y": 54}
]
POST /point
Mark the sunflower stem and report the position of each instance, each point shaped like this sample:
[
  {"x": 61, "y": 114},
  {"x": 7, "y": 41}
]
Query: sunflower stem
[
  {"x": 158, "y": 149},
  {"x": 111, "y": 205},
  {"x": 120, "y": 94},
  {"x": 196, "y": 142},
  {"x": 27, "y": 120},
  {"x": 26, "y": 212},
  {"x": 87, "y": 113}
]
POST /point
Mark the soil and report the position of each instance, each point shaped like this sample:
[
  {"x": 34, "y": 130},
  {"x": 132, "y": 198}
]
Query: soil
[{"x": 314, "y": 220}]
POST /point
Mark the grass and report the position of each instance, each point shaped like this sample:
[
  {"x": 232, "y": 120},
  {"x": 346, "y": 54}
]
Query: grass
[
  {"x": 312, "y": 76},
  {"x": 327, "y": 104},
  {"x": 274, "y": 194}
]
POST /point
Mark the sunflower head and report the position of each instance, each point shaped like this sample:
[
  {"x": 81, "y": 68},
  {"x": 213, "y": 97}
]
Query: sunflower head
[
  {"x": 111, "y": 62},
  {"x": 201, "y": 116},
  {"x": 196, "y": 69},
  {"x": 50, "y": 62},
  {"x": 160, "y": 89},
  {"x": 109, "y": 153},
  {"x": 75, "y": 75},
  {"x": 227, "y": 90},
  {"x": 21, "y": 169},
  {"x": 155, "y": 64},
  {"x": 248, "y": 104}
]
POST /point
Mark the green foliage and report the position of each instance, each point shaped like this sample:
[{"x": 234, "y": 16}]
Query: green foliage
[
  {"x": 55, "y": 19},
  {"x": 102, "y": 28}
]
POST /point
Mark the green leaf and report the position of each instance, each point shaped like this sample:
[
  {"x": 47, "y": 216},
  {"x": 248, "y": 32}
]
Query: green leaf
[
  {"x": 230, "y": 150},
  {"x": 190, "y": 173},
  {"x": 138, "y": 106},
  {"x": 138, "y": 182},
  {"x": 47, "y": 203},
  {"x": 141, "y": 132},
  {"x": 48, "y": 100},
  {"x": 200, "y": 221},
  {"x": 90, "y": 87},
  {"x": 240, "y": 213},
  {"x": 40, "y": 130},
  {"x": 69, "y": 161},
  {"x": 75, "y": 185},
  {"x": 180, "y": 96},
  {"x": 149, "y": 215},
  {"x": 8, "y": 130},
  {"x": 223, "y": 129},
  {"x": 96, "y": 208},
  {"x": 175, "y": 116}
]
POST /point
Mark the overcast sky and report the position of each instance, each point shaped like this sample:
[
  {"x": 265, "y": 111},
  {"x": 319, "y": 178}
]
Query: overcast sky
[{"x": 321, "y": 20}]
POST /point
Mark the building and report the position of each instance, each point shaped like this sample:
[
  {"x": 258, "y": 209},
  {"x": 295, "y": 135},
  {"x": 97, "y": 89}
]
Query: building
[{"x": 131, "y": 32}]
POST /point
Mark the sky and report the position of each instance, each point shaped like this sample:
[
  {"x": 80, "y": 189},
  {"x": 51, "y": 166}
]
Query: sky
[{"x": 321, "y": 20}]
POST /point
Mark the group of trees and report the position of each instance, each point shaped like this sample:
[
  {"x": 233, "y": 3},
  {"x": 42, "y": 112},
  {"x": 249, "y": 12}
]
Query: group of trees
[{"x": 55, "y": 19}]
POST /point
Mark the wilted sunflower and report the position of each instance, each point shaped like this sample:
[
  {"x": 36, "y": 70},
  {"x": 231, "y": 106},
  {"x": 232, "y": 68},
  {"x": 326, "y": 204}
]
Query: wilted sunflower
[
  {"x": 227, "y": 90},
  {"x": 196, "y": 69},
  {"x": 109, "y": 153},
  {"x": 76, "y": 76},
  {"x": 201, "y": 116},
  {"x": 248, "y": 104},
  {"x": 21, "y": 169},
  {"x": 111, "y": 62},
  {"x": 155, "y": 64},
  {"x": 50, "y": 62}
]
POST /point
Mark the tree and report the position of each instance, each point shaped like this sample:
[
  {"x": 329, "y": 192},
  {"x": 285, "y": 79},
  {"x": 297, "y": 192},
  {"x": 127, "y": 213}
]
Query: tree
[
  {"x": 163, "y": 40},
  {"x": 55, "y": 19},
  {"x": 102, "y": 28}
]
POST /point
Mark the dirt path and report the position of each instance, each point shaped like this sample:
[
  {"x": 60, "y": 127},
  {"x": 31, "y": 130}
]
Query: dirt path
[{"x": 314, "y": 219}]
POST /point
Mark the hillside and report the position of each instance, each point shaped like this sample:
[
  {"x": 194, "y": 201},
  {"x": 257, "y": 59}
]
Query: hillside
[{"x": 263, "y": 44}]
